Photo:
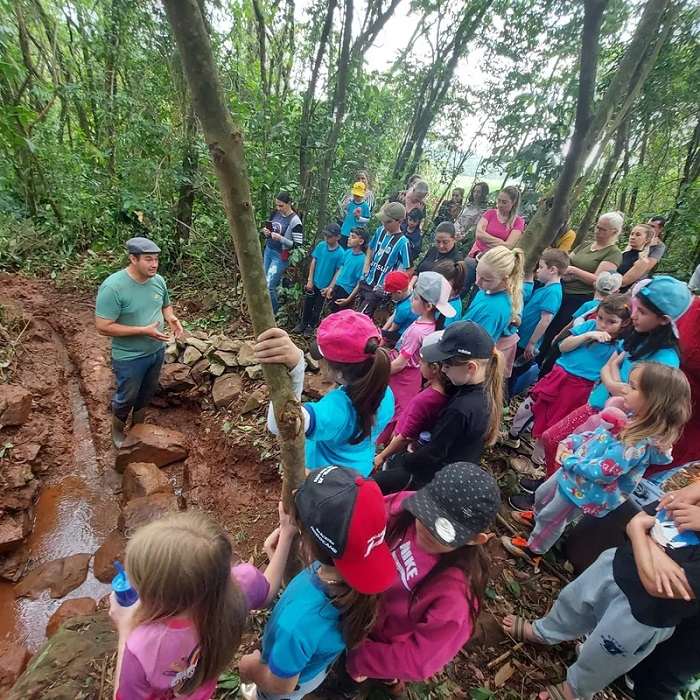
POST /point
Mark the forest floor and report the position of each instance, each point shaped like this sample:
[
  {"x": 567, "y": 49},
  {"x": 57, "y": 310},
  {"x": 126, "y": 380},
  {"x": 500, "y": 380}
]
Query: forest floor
[{"x": 232, "y": 472}]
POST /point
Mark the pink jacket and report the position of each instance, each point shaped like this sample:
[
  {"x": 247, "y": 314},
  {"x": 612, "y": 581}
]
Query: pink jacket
[{"x": 414, "y": 637}]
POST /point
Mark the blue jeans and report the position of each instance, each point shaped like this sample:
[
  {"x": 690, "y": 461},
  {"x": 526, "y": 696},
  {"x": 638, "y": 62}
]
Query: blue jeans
[
  {"x": 274, "y": 268},
  {"x": 137, "y": 381}
]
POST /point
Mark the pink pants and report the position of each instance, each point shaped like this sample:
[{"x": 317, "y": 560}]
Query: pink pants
[{"x": 560, "y": 431}]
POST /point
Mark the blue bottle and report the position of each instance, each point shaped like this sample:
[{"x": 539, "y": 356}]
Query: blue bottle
[{"x": 125, "y": 594}]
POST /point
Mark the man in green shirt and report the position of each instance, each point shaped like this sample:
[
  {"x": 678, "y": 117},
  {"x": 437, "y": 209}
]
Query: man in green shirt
[{"x": 132, "y": 306}]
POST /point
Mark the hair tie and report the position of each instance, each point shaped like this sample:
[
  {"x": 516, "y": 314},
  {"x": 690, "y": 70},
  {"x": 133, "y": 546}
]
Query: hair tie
[{"x": 494, "y": 352}]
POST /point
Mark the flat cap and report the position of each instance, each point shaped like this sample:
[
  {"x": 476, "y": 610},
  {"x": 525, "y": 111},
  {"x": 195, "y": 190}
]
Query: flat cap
[{"x": 139, "y": 245}]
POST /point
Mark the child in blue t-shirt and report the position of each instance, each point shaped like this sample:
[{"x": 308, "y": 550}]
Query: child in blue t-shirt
[
  {"x": 455, "y": 272},
  {"x": 342, "y": 427},
  {"x": 499, "y": 276},
  {"x": 357, "y": 213},
  {"x": 539, "y": 311},
  {"x": 326, "y": 260},
  {"x": 345, "y": 285},
  {"x": 398, "y": 286},
  {"x": 343, "y": 521}
]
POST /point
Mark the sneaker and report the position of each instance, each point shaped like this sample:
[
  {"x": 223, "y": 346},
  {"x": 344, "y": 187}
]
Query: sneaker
[
  {"x": 298, "y": 329},
  {"x": 505, "y": 438},
  {"x": 248, "y": 691},
  {"x": 525, "y": 518},
  {"x": 522, "y": 502},
  {"x": 309, "y": 332},
  {"x": 530, "y": 485},
  {"x": 517, "y": 546}
]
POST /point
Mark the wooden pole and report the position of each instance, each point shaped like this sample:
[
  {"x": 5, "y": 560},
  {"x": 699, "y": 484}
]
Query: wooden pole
[{"x": 225, "y": 145}]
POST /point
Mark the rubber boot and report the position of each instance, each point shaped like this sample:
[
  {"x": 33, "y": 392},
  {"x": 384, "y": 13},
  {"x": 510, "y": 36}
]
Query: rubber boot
[
  {"x": 138, "y": 416},
  {"x": 118, "y": 428}
]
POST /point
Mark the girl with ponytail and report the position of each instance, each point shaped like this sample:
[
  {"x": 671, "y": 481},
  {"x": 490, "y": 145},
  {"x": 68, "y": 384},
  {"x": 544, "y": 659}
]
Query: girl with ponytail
[
  {"x": 470, "y": 420},
  {"x": 499, "y": 276},
  {"x": 343, "y": 426}
]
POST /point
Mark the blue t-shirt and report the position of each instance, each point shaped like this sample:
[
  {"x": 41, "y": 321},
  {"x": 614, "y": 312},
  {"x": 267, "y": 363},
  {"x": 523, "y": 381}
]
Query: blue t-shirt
[
  {"x": 351, "y": 272},
  {"x": 528, "y": 288},
  {"x": 349, "y": 222},
  {"x": 328, "y": 262},
  {"x": 302, "y": 635},
  {"x": 390, "y": 252},
  {"x": 332, "y": 424},
  {"x": 584, "y": 309},
  {"x": 586, "y": 360},
  {"x": 547, "y": 298},
  {"x": 666, "y": 356},
  {"x": 491, "y": 311},
  {"x": 456, "y": 304},
  {"x": 403, "y": 316}
]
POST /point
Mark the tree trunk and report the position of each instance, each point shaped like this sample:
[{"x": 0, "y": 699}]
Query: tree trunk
[
  {"x": 340, "y": 96},
  {"x": 603, "y": 184},
  {"x": 190, "y": 164},
  {"x": 225, "y": 144}
]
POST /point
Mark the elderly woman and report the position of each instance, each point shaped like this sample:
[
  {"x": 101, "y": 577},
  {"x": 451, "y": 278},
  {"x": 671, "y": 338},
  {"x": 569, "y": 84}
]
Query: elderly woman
[
  {"x": 416, "y": 196},
  {"x": 588, "y": 260}
]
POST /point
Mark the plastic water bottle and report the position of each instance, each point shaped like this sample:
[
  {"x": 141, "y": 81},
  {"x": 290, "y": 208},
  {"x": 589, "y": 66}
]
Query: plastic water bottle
[
  {"x": 125, "y": 594},
  {"x": 423, "y": 439},
  {"x": 523, "y": 360}
]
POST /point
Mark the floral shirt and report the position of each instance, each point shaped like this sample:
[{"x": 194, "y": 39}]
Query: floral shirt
[{"x": 602, "y": 471}]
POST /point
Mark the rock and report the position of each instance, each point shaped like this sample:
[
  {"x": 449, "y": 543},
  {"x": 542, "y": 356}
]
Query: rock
[
  {"x": 15, "y": 405},
  {"x": 171, "y": 353},
  {"x": 13, "y": 565},
  {"x": 13, "y": 529},
  {"x": 312, "y": 363},
  {"x": 20, "y": 499},
  {"x": 176, "y": 378},
  {"x": 230, "y": 359},
  {"x": 216, "y": 369},
  {"x": 255, "y": 400},
  {"x": 75, "y": 607},
  {"x": 151, "y": 443},
  {"x": 316, "y": 386},
  {"x": 246, "y": 356},
  {"x": 191, "y": 355},
  {"x": 60, "y": 576},
  {"x": 70, "y": 664},
  {"x": 199, "y": 335},
  {"x": 14, "y": 476},
  {"x": 254, "y": 371},
  {"x": 181, "y": 342},
  {"x": 202, "y": 346},
  {"x": 142, "y": 479},
  {"x": 198, "y": 370},
  {"x": 26, "y": 452},
  {"x": 221, "y": 342},
  {"x": 226, "y": 389},
  {"x": 143, "y": 510},
  {"x": 111, "y": 550},
  {"x": 103, "y": 602},
  {"x": 13, "y": 661}
]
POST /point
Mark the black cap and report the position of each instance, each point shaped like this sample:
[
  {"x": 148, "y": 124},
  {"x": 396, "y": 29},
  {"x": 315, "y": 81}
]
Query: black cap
[
  {"x": 461, "y": 339},
  {"x": 331, "y": 230},
  {"x": 139, "y": 245},
  {"x": 460, "y": 502}
]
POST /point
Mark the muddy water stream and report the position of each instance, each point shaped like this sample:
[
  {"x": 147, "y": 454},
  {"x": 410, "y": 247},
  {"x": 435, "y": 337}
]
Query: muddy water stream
[{"x": 75, "y": 512}]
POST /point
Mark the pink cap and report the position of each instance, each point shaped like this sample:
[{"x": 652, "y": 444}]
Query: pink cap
[{"x": 343, "y": 336}]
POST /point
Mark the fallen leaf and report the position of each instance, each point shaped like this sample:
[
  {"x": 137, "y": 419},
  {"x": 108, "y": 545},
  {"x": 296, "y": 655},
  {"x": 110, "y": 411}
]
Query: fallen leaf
[{"x": 504, "y": 674}]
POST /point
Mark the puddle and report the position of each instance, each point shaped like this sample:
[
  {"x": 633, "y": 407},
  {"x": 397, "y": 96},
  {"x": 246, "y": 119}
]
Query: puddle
[{"x": 74, "y": 514}]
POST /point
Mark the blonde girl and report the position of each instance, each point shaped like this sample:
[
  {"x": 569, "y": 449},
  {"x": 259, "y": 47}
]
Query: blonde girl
[
  {"x": 471, "y": 419},
  {"x": 635, "y": 260},
  {"x": 187, "y": 623},
  {"x": 601, "y": 468},
  {"x": 499, "y": 276}
]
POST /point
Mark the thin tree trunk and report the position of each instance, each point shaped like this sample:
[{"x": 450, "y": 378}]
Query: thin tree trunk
[
  {"x": 604, "y": 183},
  {"x": 226, "y": 149},
  {"x": 190, "y": 163}
]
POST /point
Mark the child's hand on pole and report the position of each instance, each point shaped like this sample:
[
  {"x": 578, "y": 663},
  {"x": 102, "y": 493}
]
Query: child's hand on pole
[{"x": 275, "y": 346}]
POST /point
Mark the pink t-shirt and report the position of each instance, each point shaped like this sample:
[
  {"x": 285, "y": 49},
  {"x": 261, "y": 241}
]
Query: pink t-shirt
[
  {"x": 421, "y": 413},
  {"x": 495, "y": 228},
  {"x": 160, "y": 656},
  {"x": 411, "y": 341}
]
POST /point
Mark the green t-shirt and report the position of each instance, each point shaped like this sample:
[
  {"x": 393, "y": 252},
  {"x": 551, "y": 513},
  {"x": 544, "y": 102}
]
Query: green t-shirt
[
  {"x": 586, "y": 259},
  {"x": 124, "y": 300}
]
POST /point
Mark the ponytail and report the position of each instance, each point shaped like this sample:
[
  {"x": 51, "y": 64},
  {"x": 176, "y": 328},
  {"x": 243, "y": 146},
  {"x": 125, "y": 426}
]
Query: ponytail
[
  {"x": 366, "y": 385},
  {"x": 494, "y": 385},
  {"x": 514, "y": 281},
  {"x": 514, "y": 196},
  {"x": 455, "y": 272}
]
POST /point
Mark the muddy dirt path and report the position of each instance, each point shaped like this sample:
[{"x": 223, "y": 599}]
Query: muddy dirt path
[{"x": 65, "y": 364}]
